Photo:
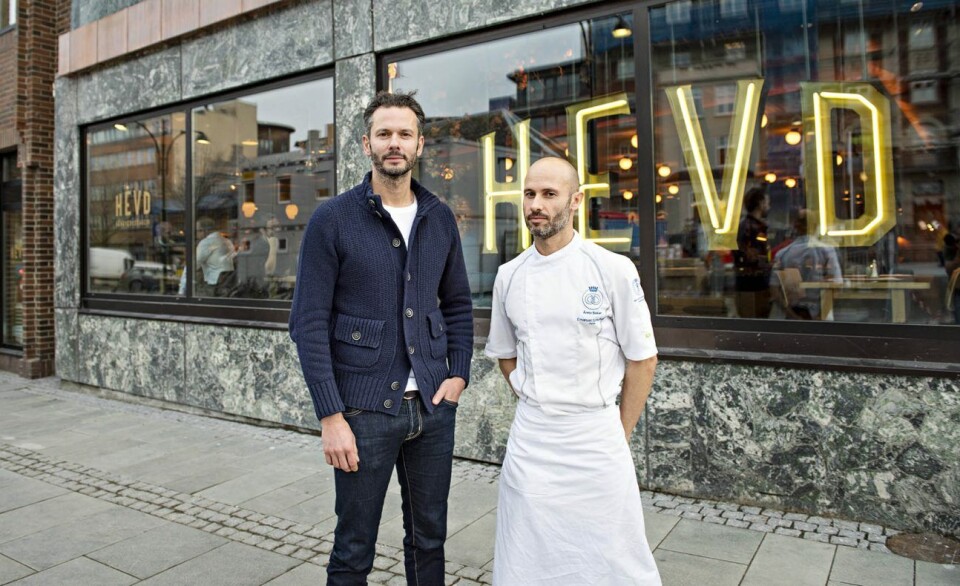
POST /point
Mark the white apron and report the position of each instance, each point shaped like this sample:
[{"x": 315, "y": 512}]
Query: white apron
[{"x": 569, "y": 508}]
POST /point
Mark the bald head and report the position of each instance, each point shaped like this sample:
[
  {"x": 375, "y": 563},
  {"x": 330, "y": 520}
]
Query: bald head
[
  {"x": 556, "y": 170},
  {"x": 551, "y": 194}
]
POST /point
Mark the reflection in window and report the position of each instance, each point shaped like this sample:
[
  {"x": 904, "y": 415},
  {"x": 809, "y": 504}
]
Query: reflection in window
[
  {"x": 566, "y": 91},
  {"x": 833, "y": 215},
  {"x": 11, "y": 200},
  {"x": 256, "y": 182},
  {"x": 8, "y": 13},
  {"x": 135, "y": 206}
]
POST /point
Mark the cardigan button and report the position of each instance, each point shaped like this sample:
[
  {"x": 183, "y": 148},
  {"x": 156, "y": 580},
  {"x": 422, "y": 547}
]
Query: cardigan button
[
  {"x": 355, "y": 336},
  {"x": 395, "y": 385},
  {"x": 408, "y": 312},
  {"x": 411, "y": 349},
  {"x": 396, "y": 243},
  {"x": 388, "y": 403}
]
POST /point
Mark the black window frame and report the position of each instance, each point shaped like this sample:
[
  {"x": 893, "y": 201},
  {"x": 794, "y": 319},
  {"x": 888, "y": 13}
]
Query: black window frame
[
  {"x": 237, "y": 312},
  {"x": 845, "y": 346}
]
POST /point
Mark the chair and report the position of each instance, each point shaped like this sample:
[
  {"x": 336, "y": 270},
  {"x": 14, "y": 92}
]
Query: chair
[
  {"x": 790, "y": 291},
  {"x": 952, "y": 287}
]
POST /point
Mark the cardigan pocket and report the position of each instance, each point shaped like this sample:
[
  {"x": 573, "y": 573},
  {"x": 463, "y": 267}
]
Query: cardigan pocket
[
  {"x": 438, "y": 334},
  {"x": 357, "y": 340}
]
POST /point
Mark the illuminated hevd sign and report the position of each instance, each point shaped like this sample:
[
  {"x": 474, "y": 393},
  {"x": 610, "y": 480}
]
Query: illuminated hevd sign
[{"x": 720, "y": 209}]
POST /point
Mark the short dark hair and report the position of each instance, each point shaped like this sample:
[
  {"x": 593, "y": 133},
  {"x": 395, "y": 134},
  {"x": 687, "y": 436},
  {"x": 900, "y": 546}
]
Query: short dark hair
[
  {"x": 754, "y": 198},
  {"x": 385, "y": 99}
]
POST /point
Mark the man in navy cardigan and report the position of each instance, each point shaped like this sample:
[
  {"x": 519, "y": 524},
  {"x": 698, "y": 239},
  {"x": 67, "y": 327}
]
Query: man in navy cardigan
[{"x": 382, "y": 319}]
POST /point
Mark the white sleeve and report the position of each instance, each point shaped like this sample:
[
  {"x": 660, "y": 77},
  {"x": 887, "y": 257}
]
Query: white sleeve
[
  {"x": 631, "y": 316},
  {"x": 501, "y": 341}
]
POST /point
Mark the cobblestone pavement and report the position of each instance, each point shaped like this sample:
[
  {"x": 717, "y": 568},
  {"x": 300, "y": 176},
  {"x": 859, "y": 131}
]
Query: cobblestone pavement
[{"x": 226, "y": 495}]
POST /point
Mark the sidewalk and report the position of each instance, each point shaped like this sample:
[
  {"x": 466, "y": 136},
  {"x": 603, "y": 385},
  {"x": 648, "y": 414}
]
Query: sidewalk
[{"x": 100, "y": 492}]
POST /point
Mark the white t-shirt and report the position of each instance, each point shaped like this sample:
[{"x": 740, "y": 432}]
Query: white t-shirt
[
  {"x": 403, "y": 218},
  {"x": 570, "y": 319}
]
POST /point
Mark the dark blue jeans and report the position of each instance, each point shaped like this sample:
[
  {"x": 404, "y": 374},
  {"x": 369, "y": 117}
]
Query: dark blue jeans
[{"x": 420, "y": 445}]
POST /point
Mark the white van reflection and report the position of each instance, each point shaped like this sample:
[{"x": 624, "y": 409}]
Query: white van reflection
[{"x": 107, "y": 266}]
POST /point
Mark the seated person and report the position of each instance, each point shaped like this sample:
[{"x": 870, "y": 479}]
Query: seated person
[{"x": 816, "y": 261}]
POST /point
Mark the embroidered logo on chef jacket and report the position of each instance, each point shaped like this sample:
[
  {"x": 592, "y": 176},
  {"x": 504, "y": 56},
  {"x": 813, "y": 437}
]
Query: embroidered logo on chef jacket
[
  {"x": 637, "y": 291},
  {"x": 592, "y": 303}
]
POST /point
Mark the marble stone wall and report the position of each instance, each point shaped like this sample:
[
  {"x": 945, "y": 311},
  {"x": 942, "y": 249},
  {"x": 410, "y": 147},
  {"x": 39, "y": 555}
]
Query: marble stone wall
[
  {"x": 87, "y": 11},
  {"x": 857, "y": 445}
]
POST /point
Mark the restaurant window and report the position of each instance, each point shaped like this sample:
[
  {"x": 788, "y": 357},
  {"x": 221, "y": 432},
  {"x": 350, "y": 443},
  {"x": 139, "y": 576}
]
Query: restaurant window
[
  {"x": 256, "y": 163},
  {"x": 817, "y": 203},
  {"x": 505, "y": 103},
  {"x": 8, "y": 13},
  {"x": 135, "y": 206},
  {"x": 11, "y": 231},
  {"x": 278, "y": 146}
]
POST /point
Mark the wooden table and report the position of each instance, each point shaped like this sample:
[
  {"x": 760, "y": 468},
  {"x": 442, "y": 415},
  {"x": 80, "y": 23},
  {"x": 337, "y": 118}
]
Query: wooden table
[{"x": 892, "y": 287}]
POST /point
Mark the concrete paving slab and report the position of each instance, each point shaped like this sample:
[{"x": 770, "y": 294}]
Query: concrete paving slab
[
  {"x": 870, "y": 568},
  {"x": 303, "y": 574},
  {"x": 49, "y": 513},
  {"x": 928, "y": 574},
  {"x": 233, "y": 564},
  {"x": 311, "y": 511},
  {"x": 800, "y": 561},
  {"x": 248, "y": 486},
  {"x": 157, "y": 550},
  {"x": 26, "y": 491},
  {"x": 657, "y": 526},
  {"x": 201, "y": 481},
  {"x": 7, "y": 477},
  {"x": 41, "y": 440},
  {"x": 79, "y": 572},
  {"x": 85, "y": 450},
  {"x": 11, "y": 570},
  {"x": 680, "y": 569},
  {"x": 473, "y": 545},
  {"x": 317, "y": 483},
  {"x": 113, "y": 461},
  {"x": 271, "y": 503},
  {"x": 67, "y": 541},
  {"x": 713, "y": 541},
  {"x": 468, "y": 502}
]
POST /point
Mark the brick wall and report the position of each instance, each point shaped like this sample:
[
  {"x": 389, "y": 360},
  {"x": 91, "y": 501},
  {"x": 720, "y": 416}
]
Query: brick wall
[
  {"x": 8, "y": 91},
  {"x": 38, "y": 25}
]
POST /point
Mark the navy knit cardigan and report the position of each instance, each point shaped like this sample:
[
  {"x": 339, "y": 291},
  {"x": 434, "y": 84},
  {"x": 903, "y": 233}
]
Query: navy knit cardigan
[{"x": 365, "y": 308}]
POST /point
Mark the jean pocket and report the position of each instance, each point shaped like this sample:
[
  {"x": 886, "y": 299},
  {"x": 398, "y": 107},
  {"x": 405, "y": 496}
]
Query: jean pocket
[{"x": 449, "y": 403}]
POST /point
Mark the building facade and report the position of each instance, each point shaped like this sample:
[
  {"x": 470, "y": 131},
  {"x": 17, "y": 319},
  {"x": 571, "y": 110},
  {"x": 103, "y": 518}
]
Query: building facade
[
  {"x": 809, "y": 356},
  {"x": 28, "y": 65}
]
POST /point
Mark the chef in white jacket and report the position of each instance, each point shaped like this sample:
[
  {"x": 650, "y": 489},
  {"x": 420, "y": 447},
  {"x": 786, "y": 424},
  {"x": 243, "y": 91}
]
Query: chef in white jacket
[{"x": 571, "y": 330}]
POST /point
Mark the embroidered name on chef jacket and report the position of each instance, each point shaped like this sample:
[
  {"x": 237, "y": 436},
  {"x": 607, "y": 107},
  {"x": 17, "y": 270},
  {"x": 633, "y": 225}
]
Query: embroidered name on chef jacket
[{"x": 592, "y": 311}]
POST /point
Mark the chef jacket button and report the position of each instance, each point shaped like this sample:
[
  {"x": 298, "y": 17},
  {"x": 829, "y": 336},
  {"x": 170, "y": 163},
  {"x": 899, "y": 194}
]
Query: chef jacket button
[
  {"x": 395, "y": 385},
  {"x": 396, "y": 243},
  {"x": 355, "y": 335},
  {"x": 388, "y": 403},
  {"x": 411, "y": 349},
  {"x": 408, "y": 312}
]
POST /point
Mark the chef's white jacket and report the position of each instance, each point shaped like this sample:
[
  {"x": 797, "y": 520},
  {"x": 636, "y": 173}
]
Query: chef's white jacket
[{"x": 570, "y": 319}]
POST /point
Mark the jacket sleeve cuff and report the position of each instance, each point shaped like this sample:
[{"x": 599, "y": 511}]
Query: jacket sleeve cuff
[
  {"x": 460, "y": 365},
  {"x": 326, "y": 398}
]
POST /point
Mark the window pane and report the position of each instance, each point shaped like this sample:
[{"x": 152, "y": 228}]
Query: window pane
[
  {"x": 262, "y": 165},
  {"x": 135, "y": 206},
  {"x": 565, "y": 91},
  {"x": 11, "y": 200},
  {"x": 816, "y": 178}
]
